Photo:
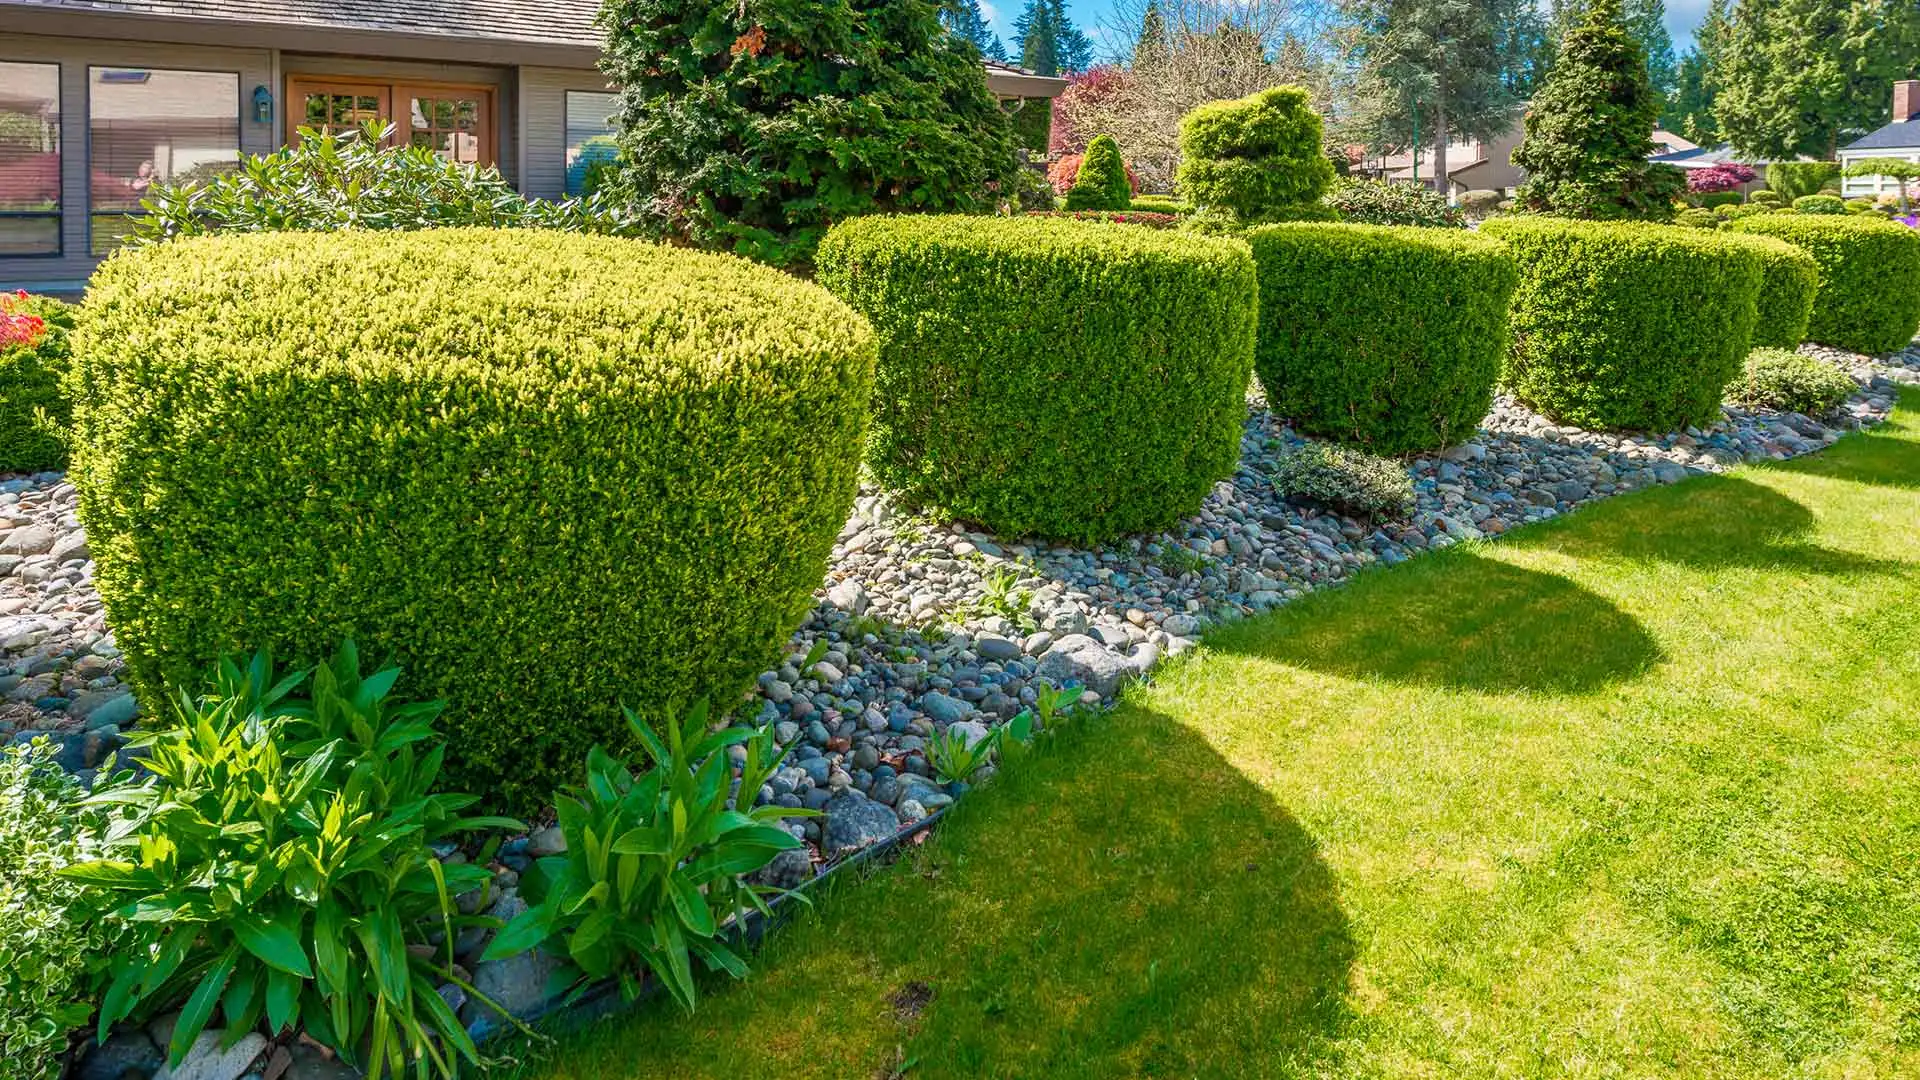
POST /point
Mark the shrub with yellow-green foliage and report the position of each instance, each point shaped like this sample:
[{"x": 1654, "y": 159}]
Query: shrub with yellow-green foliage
[
  {"x": 1627, "y": 325},
  {"x": 1385, "y": 337},
  {"x": 1254, "y": 158},
  {"x": 545, "y": 472},
  {"x": 1792, "y": 278},
  {"x": 1046, "y": 376},
  {"x": 1867, "y": 300}
]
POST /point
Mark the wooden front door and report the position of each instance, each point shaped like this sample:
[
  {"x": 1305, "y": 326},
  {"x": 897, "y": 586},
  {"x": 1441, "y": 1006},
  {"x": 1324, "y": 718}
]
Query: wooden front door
[{"x": 455, "y": 121}]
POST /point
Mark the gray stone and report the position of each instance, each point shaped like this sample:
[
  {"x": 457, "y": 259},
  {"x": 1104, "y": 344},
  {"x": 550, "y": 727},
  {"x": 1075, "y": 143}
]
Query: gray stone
[
  {"x": 27, "y": 540},
  {"x": 206, "y": 1061},
  {"x": 788, "y": 870},
  {"x": 995, "y": 647},
  {"x": 547, "y": 841},
  {"x": 944, "y": 709},
  {"x": 309, "y": 1063},
  {"x": 1180, "y": 624},
  {"x": 517, "y": 984},
  {"x": 849, "y": 596},
  {"x": 854, "y": 821},
  {"x": 71, "y": 546},
  {"x": 970, "y": 730},
  {"x": 1078, "y": 657},
  {"x": 127, "y": 1050},
  {"x": 117, "y": 710}
]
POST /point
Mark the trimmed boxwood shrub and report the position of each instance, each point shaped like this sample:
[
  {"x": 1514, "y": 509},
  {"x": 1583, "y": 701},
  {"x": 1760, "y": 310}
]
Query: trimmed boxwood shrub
[
  {"x": 1766, "y": 197},
  {"x": 1867, "y": 302},
  {"x": 1697, "y": 217},
  {"x": 33, "y": 360},
  {"x": 1792, "y": 278},
  {"x": 1627, "y": 325},
  {"x": 1122, "y": 217},
  {"x": 1388, "y": 338},
  {"x": 547, "y": 473},
  {"x": 1820, "y": 204},
  {"x": 1050, "y": 377}
]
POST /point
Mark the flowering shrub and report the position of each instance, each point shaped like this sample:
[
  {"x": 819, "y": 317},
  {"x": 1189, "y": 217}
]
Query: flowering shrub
[
  {"x": 33, "y": 357},
  {"x": 17, "y": 325},
  {"x": 1723, "y": 177}
]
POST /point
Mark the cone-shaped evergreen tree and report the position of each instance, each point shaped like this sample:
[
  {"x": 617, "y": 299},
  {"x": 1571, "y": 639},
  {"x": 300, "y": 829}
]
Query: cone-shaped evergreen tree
[{"x": 1102, "y": 182}]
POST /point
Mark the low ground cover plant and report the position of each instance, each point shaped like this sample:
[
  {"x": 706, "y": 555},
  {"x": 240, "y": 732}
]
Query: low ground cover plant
[
  {"x": 1627, "y": 325},
  {"x": 1858, "y": 306},
  {"x": 1390, "y": 339},
  {"x": 508, "y": 429},
  {"x": 1791, "y": 382},
  {"x": 1014, "y": 350},
  {"x": 1345, "y": 480},
  {"x": 34, "y": 410},
  {"x": 1377, "y": 202}
]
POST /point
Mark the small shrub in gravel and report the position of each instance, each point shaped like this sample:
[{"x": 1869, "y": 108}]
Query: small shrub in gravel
[
  {"x": 1791, "y": 382},
  {"x": 33, "y": 359},
  {"x": 1388, "y": 338},
  {"x": 1377, "y": 202},
  {"x": 1055, "y": 378},
  {"x": 1866, "y": 303},
  {"x": 1792, "y": 279},
  {"x": 1349, "y": 481}
]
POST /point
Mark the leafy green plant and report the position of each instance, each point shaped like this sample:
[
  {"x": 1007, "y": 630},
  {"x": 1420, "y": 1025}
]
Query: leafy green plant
[
  {"x": 1002, "y": 595},
  {"x": 276, "y": 865},
  {"x": 1697, "y": 217},
  {"x": 51, "y": 949},
  {"x": 1766, "y": 197},
  {"x": 955, "y": 759},
  {"x": 1899, "y": 170},
  {"x": 653, "y": 876},
  {"x": 1255, "y": 157},
  {"x": 1820, "y": 204},
  {"x": 1102, "y": 183},
  {"x": 1179, "y": 559},
  {"x": 1791, "y": 280},
  {"x": 1791, "y": 180},
  {"x": 1855, "y": 309},
  {"x": 1378, "y": 202},
  {"x": 1345, "y": 480},
  {"x": 1791, "y": 382}
]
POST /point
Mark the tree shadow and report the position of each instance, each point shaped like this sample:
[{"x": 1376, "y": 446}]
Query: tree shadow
[
  {"x": 1120, "y": 902},
  {"x": 1461, "y": 621},
  {"x": 1882, "y": 457}
]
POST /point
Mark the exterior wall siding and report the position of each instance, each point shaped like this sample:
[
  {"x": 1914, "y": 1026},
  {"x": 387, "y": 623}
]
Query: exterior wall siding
[
  {"x": 543, "y": 111},
  {"x": 1872, "y": 186}
]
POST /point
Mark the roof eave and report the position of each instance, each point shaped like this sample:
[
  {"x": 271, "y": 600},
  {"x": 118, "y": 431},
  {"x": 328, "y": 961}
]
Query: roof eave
[{"x": 1022, "y": 85}]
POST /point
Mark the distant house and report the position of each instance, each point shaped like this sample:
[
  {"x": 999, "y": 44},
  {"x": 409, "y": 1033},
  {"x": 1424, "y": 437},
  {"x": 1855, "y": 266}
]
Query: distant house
[
  {"x": 1900, "y": 139},
  {"x": 99, "y": 101},
  {"x": 1479, "y": 164}
]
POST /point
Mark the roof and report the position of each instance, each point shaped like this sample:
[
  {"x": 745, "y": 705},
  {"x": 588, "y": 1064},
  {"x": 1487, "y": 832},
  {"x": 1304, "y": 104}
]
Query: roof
[
  {"x": 1899, "y": 135},
  {"x": 1706, "y": 157}
]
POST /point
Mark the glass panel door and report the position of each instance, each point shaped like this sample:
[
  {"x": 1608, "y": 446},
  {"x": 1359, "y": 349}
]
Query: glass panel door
[
  {"x": 454, "y": 122},
  {"x": 334, "y": 107}
]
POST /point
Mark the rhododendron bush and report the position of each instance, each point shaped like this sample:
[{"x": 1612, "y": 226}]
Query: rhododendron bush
[
  {"x": 17, "y": 325},
  {"x": 33, "y": 359},
  {"x": 1723, "y": 177}
]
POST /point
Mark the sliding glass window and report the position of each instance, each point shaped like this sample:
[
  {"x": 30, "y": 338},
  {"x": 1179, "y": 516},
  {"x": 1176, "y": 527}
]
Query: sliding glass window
[
  {"x": 590, "y": 144},
  {"x": 149, "y": 127},
  {"x": 29, "y": 159}
]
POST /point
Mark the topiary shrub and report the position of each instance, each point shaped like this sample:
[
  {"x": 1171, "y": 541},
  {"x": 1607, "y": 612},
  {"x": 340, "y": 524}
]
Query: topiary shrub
[
  {"x": 1058, "y": 378},
  {"x": 1385, "y": 338},
  {"x": 1102, "y": 182},
  {"x": 1627, "y": 325},
  {"x": 1791, "y": 280},
  {"x": 547, "y": 472},
  {"x": 1345, "y": 481},
  {"x": 1125, "y": 217},
  {"x": 1861, "y": 304},
  {"x": 1712, "y": 199},
  {"x": 1820, "y": 204},
  {"x": 1698, "y": 217},
  {"x": 1766, "y": 197},
  {"x": 1791, "y": 382},
  {"x": 33, "y": 359},
  {"x": 1254, "y": 157},
  {"x": 1377, "y": 202}
]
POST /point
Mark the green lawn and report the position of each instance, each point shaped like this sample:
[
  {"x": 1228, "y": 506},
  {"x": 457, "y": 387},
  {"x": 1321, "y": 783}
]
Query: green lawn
[{"x": 1634, "y": 794}]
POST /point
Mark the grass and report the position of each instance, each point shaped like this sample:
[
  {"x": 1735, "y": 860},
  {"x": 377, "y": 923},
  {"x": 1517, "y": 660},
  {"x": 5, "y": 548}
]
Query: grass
[{"x": 1628, "y": 795}]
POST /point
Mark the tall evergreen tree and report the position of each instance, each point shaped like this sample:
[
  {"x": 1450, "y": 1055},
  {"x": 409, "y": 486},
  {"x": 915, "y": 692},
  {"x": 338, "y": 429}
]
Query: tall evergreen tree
[
  {"x": 968, "y": 23},
  {"x": 1152, "y": 43},
  {"x": 1049, "y": 42},
  {"x": 1802, "y": 76},
  {"x": 1689, "y": 110},
  {"x": 1521, "y": 37},
  {"x": 1646, "y": 20}
]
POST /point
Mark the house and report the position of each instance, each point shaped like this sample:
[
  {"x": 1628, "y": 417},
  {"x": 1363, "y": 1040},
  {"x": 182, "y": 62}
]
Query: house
[
  {"x": 99, "y": 101},
  {"x": 1706, "y": 157},
  {"x": 1900, "y": 139},
  {"x": 1481, "y": 164}
]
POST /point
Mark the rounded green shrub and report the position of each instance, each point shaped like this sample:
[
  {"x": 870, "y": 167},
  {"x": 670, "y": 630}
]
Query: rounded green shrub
[
  {"x": 1102, "y": 183},
  {"x": 1042, "y": 376},
  {"x": 1255, "y": 156},
  {"x": 1766, "y": 197},
  {"x": 1378, "y": 202},
  {"x": 1820, "y": 204},
  {"x": 548, "y": 473},
  {"x": 1697, "y": 217},
  {"x": 1157, "y": 204},
  {"x": 1344, "y": 480},
  {"x": 1627, "y": 325},
  {"x": 1791, "y": 382},
  {"x": 1866, "y": 301},
  {"x": 1389, "y": 338},
  {"x": 1792, "y": 279},
  {"x": 1712, "y": 199},
  {"x": 33, "y": 407}
]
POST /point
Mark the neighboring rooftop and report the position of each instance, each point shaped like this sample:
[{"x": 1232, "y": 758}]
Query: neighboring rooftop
[{"x": 1900, "y": 135}]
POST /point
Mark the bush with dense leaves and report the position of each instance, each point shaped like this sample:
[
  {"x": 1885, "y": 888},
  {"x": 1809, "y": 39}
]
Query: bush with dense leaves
[
  {"x": 33, "y": 360},
  {"x": 1718, "y": 198},
  {"x": 1791, "y": 382},
  {"x": 1820, "y": 204},
  {"x": 1386, "y": 338},
  {"x": 1255, "y": 157},
  {"x": 1862, "y": 304},
  {"x": 1157, "y": 204},
  {"x": 1767, "y": 197},
  {"x": 751, "y": 128},
  {"x": 1102, "y": 183},
  {"x": 1722, "y": 179},
  {"x": 1344, "y": 480},
  {"x": 1697, "y": 217},
  {"x": 1787, "y": 291},
  {"x": 1378, "y": 202},
  {"x": 51, "y": 948},
  {"x": 1627, "y": 325},
  {"x": 1790, "y": 180},
  {"x": 1124, "y": 217},
  {"x": 490, "y": 454},
  {"x": 1049, "y": 377}
]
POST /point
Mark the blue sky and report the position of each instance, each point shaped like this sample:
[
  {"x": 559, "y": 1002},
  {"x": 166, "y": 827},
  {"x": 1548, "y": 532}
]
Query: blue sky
[{"x": 1090, "y": 15}]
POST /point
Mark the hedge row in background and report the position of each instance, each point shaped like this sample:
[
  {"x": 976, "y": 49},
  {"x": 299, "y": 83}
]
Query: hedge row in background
[
  {"x": 1387, "y": 338},
  {"x": 1627, "y": 325},
  {"x": 1041, "y": 376},
  {"x": 550, "y": 473},
  {"x": 32, "y": 406},
  {"x": 1791, "y": 280},
  {"x": 1868, "y": 300}
]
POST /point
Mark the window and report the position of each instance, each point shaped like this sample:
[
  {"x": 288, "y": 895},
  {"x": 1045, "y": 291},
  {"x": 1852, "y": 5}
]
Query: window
[
  {"x": 29, "y": 159},
  {"x": 455, "y": 122},
  {"x": 589, "y": 135},
  {"x": 150, "y": 127}
]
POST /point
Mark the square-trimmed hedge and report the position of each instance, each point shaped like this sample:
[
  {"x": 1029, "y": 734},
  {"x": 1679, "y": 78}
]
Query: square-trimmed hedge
[
  {"x": 1868, "y": 300},
  {"x": 1792, "y": 280}
]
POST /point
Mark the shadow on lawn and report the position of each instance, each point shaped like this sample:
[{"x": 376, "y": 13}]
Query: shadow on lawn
[{"x": 1886, "y": 457}]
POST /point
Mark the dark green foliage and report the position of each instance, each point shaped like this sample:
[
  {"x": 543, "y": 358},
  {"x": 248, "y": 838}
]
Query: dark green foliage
[
  {"x": 1377, "y": 202},
  {"x": 1793, "y": 180},
  {"x": 1057, "y": 378},
  {"x": 1797, "y": 78},
  {"x": 1589, "y": 130},
  {"x": 34, "y": 410},
  {"x": 1791, "y": 382},
  {"x": 1049, "y": 42},
  {"x": 1627, "y": 325},
  {"x": 1032, "y": 124},
  {"x": 1386, "y": 338},
  {"x": 752, "y": 127},
  {"x": 1347, "y": 481},
  {"x": 1865, "y": 302},
  {"x": 1102, "y": 183},
  {"x": 1712, "y": 199},
  {"x": 546, "y": 471},
  {"x": 1255, "y": 157},
  {"x": 1820, "y": 204},
  {"x": 1791, "y": 281},
  {"x": 1697, "y": 217}
]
